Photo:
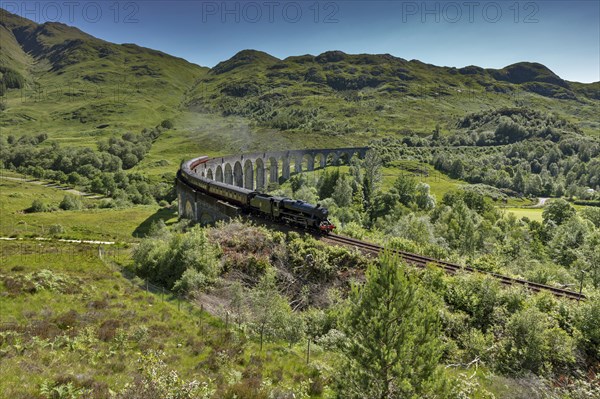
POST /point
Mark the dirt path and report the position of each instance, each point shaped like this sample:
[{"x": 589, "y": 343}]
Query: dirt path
[
  {"x": 53, "y": 185},
  {"x": 60, "y": 240}
]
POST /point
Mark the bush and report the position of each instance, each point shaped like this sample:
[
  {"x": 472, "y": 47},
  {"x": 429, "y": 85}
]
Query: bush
[
  {"x": 70, "y": 203},
  {"x": 56, "y": 229},
  {"x": 191, "y": 280},
  {"x": 167, "y": 124},
  {"x": 534, "y": 342},
  {"x": 38, "y": 206},
  {"x": 166, "y": 259},
  {"x": 12, "y": 79}
]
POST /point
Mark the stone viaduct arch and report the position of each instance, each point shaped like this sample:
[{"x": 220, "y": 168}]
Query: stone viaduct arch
[
  {"x": 248, "y": 175},
  {"x": 256, "y": 170},
  {"x": 238, "y": 175}
]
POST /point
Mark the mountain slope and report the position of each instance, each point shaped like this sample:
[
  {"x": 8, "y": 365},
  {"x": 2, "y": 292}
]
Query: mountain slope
[
  {"x": 72, "y": 82},
  {"x": 73, "y": 86},
  {"x": 364, "y": 95}
]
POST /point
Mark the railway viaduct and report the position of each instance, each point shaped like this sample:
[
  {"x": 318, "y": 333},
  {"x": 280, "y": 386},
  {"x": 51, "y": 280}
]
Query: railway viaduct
[{"x": 254, "y": 171}]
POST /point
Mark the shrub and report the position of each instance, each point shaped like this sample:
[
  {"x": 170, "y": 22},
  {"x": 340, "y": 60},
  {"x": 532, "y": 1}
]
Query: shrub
[
  {"x": 108, "y": 330},
  {"x": 12, "y": 79},
  {"x": 167, "y": 124},
  {"x": 38, "y": 206},
  {"x": 534, "y": 342},
  {"x": 165, "y": 259},
  {"x": 70, "y": 203},
  {"x": 56, "y": 229}
]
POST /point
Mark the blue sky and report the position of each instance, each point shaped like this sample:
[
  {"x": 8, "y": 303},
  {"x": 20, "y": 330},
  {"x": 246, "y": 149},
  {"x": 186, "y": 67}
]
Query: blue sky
[{"x": 563, "y": 35}]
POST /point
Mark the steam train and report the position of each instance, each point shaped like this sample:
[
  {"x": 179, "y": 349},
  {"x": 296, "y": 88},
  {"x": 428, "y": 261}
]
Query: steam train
[{"x": 296, "y": 212}]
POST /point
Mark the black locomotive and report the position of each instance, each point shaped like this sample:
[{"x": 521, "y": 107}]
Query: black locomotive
[{"x": 291, "y": 211}]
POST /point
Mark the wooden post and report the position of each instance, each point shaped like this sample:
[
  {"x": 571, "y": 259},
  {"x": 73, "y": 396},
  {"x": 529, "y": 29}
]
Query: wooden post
[{"x": 580, "y": 286}]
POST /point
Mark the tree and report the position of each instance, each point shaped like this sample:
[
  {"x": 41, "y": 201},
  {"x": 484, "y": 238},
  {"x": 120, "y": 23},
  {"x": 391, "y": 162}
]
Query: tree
[
  {"x": 423, "y": 198},
  {"x": 342, "y": 193},
  {"x": 457, "y": 169},
  {"x": 591, "y": 256},
  {"x": 592, "y": 214},
  {"x": 372, "y": 175},
  {"x": 534, "y": 185},
  {"x": 519, "y": 181},
  {"x": 587, "y": 323},
  {"x": 405, "y": 186},
  {"x": 327, "y": 183},
  {"x": 415, "y": 228},
  {"x": 306, "y": 193},
  {"x": 557, "y": 212},
  {"x": 460, "y": 227},
  {"x": 270, "y": 312},
  {"x": 568, "y": 238},
  {"x": 382, "y": 204},
  {"x": 392, "y": 327}
]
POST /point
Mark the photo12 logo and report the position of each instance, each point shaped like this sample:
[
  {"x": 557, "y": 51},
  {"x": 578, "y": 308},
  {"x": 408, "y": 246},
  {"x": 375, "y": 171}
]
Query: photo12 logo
[
  {"x": 77, "y": 92},
  {"x": 470, "y": 11},
  {"x": 270, "y": 11},
  {"x": 126, "y": 12}
]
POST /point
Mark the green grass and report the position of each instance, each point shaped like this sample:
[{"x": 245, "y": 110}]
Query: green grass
[
  {"x": 531, "y": 213},
  {"x": 125, "y": 225},
  {"x": 439, "y": 182},
  {"x": 84, "y": 322}
]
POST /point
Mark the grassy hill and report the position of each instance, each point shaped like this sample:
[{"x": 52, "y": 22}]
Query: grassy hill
[
  {"x": 75, "y": 86},
  {"x": 73, "y": 326},
  {"x": 365, "y": 96},
  {"x": 80, "y": 89}
]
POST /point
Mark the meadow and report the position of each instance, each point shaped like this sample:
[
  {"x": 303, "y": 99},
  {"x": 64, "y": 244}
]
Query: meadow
[
  {"x": 73, "y": 321},
  {"x": 90, "y": 223}
]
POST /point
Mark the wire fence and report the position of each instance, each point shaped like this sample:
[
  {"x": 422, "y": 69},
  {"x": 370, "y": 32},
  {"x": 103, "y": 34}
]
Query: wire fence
[{"x": 114, "y": 256}]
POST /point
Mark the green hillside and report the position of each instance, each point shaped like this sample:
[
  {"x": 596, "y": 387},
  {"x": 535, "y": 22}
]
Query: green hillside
[
  {"x": 368, "y": 96},
  {"x": 498, "y": 169},
  {"x": 74, "y": 86},
  {"x": 79, "y": 89}
]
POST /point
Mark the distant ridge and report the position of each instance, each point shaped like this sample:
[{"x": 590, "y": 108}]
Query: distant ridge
[{"x": 329, "y": 92}]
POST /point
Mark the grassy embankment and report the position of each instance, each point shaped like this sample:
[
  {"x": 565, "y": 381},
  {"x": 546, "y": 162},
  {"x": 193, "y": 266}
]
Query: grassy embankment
[{"x": 70, "y": 317}]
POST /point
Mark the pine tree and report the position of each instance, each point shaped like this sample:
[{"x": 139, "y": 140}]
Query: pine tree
[{"x": 393, "y": 347}]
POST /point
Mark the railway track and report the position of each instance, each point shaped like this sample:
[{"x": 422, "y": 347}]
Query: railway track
[
  {"x": 453, "y": 268},
  {"x": 240, "y": 197}
]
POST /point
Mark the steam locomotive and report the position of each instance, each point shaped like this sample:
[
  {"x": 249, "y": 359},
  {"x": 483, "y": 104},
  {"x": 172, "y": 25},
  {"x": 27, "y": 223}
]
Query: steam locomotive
[{"x": 296, "y": 212}]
